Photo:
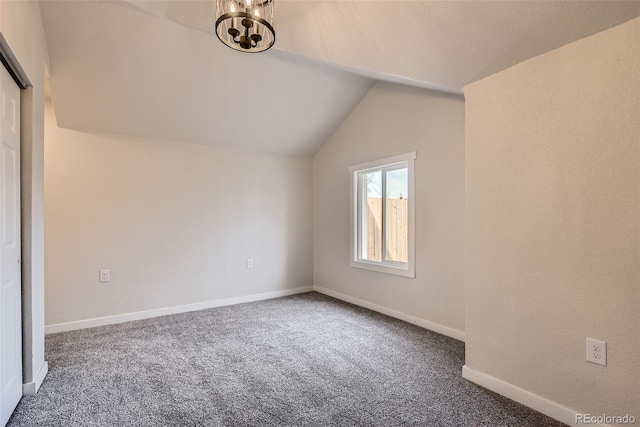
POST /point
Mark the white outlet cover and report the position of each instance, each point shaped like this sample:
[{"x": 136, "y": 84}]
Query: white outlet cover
[
  {"x": 249, "y": 262},
  {"x": 105, "y": 276},
  {"x": 597, "y": 351}
]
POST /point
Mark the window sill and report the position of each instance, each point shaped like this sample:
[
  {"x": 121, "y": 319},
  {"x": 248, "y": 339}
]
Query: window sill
[{"x": 408, "y": 272}]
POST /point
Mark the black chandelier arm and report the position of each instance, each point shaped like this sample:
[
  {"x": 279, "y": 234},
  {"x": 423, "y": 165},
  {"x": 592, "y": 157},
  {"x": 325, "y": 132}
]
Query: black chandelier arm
[
  {"x": 246, "y": 15},
  {"x": 248, "y": 41}
]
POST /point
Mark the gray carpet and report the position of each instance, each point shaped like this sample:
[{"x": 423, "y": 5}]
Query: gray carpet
[{"x": 305, "y": 360}]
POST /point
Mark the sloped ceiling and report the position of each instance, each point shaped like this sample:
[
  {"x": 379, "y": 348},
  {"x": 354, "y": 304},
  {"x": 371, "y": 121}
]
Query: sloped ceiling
[
  {"x": 441, "y": 44},
  {"x": 115, "y": 69},
  {"x": 155, "y": 69}
]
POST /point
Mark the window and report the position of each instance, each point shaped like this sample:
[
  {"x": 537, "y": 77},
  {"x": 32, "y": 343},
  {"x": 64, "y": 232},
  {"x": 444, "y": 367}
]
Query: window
[{"x": 382, "y": 215}]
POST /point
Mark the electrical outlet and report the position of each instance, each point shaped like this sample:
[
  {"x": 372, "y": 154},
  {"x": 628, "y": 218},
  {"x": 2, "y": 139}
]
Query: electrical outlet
[
  {"x": 596, "y": 351},
  {"x": 249, "y": 262},
  {"x": 105, "y": 276}
]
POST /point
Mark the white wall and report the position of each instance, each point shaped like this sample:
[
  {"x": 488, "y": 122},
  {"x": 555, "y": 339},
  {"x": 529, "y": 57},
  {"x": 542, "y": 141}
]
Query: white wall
[
  {"x": 21, "y": 27},
  {"x": 390, "y": 120},
  {"x": 174, "y": 222},
  {"x": 553, "y": 230}
]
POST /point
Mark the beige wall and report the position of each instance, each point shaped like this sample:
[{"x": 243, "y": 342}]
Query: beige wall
[
  {"x": 391, "y": 120},
  {"x": 552, "y": 218},
  {"x": 174, "y": 222},
  {"x": 21, "y": 27}
]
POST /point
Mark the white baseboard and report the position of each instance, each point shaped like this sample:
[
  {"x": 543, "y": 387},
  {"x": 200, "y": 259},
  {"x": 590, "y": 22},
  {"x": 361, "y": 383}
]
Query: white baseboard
[
  {"x": 432, "y": 326},
  {"x": 539, "y": 403},
  {"x": 30, "y": 389},
  {"x": 128, "y": 317}
]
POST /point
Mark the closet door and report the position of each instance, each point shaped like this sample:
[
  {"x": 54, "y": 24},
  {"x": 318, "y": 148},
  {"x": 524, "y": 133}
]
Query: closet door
[{"x": 10, "y": 283}]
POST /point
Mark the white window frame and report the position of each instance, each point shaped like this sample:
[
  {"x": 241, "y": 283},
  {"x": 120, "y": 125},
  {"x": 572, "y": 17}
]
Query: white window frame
[{"x": 385, "y": 266}]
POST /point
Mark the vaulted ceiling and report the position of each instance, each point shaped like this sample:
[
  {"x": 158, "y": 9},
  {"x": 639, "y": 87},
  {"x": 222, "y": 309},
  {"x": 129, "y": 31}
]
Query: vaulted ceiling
[{"x": 155, "y": 69}]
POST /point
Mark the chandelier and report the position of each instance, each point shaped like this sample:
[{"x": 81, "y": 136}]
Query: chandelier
[{"x": 245, "y": 25}]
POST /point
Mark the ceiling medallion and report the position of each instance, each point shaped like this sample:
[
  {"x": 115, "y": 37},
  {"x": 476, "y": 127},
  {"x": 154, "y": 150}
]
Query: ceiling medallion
[{"x": 245, "y": 25}]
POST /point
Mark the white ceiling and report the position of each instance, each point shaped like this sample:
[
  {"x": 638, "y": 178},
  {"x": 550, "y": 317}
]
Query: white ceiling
[
  {"x": 115, "y": 69},
  {"x": 155, "y": 69},
  {"x": 441, "y": 44}
]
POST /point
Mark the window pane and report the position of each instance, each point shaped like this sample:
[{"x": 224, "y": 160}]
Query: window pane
[
  {"x": 371, "y": 216},
  {"x": 397, "y": 219}
]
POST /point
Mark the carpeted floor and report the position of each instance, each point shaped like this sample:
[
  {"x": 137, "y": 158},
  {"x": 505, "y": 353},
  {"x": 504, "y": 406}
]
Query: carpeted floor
[{"x": 305, "y": 360}]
